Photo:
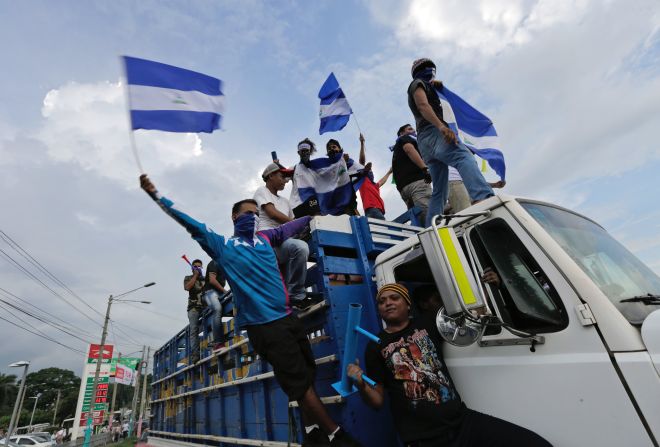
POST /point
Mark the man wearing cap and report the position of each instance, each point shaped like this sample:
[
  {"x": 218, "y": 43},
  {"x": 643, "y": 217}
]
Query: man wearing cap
[
  {"x": 438, "y": 144},
  {"x": 426, "y": 407},
  {"x": 275, "y": 211}
]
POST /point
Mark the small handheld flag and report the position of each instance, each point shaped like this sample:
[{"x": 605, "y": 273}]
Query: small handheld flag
[
  {"x": 335, "y": 111},
  {"x": 173, "y": 99}
]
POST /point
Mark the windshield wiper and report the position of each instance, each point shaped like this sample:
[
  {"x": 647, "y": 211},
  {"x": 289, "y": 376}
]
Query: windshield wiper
[{"x": 647, "y": 299}]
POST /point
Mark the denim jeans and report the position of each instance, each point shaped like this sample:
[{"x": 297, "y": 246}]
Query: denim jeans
[
  {"x": 212, "y": 299},
  {"x": 417, "y": 193},
  {"x": 292, "y": 255},
  {"x": 193, "y": 320},
  {"x": 374, "y": 213},
  {"x": 437, "y": 154}
]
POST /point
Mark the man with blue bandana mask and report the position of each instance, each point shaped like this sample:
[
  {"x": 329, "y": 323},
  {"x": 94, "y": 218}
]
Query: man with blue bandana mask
[
  {"x": 262, "y": 305},
  {"x": 438, "y": 145}
]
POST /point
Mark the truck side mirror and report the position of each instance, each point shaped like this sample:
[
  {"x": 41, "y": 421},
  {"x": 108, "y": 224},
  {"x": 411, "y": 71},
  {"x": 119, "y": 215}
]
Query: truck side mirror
[{"x": 457, "y": 285}]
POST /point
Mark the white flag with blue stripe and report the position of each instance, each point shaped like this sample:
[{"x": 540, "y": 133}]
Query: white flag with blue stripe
[
  {"x": 173, "y": 99},
  {"x": 474, "y": 129},
  {"x": 335, "y": 111},
  {"x": 327, "y": 179}
]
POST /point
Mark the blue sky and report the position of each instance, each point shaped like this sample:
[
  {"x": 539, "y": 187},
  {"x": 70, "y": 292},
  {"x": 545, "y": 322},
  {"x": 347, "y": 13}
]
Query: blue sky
[{"x": 572, "y": 86}]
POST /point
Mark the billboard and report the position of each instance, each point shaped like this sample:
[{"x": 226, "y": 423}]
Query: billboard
[
  {"x": 125, "y": 375},
  {"x": 90, "y": 401}
]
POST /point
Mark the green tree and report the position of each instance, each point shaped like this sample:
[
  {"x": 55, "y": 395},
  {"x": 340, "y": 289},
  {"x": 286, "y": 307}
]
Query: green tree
[{"x": 8, "y": 391}]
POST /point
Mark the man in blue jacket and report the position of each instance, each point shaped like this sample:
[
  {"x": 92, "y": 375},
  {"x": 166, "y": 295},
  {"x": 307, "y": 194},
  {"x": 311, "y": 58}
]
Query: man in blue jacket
[{"x": 262, "y": 306}]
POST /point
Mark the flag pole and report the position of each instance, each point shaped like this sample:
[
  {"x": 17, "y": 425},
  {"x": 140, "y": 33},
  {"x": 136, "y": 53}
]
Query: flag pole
[
  {"x": 356, "y": 122},
  {"x": 131, "y": 132}
]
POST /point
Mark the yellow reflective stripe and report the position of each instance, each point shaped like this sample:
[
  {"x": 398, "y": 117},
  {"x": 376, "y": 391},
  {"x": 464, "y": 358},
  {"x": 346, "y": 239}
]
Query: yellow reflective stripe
[{"x": 457, "y": 267}]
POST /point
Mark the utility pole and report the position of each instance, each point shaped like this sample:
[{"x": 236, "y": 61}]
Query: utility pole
[
  {"x": 34, "y": 408},
  {"x": 114, "y": 396},
  {"x": 99, "y": 361},
  {"x": 135, "y": 393},
  {"x": 57, "y": 404},
  {"x": 16, "y": 414},
  {"x": 143, "y": 400}
]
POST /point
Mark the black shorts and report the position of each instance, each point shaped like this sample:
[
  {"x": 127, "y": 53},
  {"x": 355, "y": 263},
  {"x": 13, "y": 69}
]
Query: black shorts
[{"x": 284, "y": 344}]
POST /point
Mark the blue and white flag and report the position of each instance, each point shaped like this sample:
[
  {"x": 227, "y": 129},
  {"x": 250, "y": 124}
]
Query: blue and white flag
[
  {"x": 327, "y": 179},
  {"x": 474, "y": 129},
  {"x": 335, "y": 110},
  {"x": 164, "y": 97}
]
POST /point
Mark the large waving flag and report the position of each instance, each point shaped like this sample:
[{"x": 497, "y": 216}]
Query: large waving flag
[
  {"x": 164, "y": 97},
  {"x": 474, "y": 129},
  {"x": 335, "y": 110},
  {"x": 327, "y": 179}
]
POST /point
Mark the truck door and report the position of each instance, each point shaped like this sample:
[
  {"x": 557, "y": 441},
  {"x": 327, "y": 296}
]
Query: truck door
[{"x": 565, "y": 387}]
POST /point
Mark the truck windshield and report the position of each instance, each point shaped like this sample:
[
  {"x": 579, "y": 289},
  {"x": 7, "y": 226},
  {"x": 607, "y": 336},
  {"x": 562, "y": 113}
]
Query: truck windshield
[{"x": 616, "y": 271}]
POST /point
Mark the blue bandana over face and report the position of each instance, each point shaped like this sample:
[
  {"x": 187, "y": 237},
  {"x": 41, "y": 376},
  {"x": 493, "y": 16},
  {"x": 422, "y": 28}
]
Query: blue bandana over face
[
  {"x": 426, "y": 75},
  {"x": 246, "y": 225}
]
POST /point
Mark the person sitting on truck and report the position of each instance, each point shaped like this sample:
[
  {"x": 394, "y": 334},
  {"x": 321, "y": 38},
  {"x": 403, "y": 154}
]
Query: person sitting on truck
[
  {"x": 438, "y": 144},
  {"x": 292, "y": 255},
  {"x": 372, "y": 202},
  {"x": 427, "y": 409},
  {"x": 194, "y": 285},
  {"x": 214, "y": 288},
  {"x": 411, "y": 174},
  {"x": 262, "y": 306}
]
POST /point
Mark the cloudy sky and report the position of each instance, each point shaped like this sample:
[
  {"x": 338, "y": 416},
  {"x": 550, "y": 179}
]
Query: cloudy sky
[{"x": 572, "y": 86}]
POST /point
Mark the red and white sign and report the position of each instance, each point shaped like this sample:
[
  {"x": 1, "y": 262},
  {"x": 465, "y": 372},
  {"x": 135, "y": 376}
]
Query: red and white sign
[
  {"x": 93, "y": 353},
  {"x": 124, "y": 375}
]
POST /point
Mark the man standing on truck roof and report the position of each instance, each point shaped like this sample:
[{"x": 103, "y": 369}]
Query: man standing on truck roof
[
  {"x": 262, "y": 306},
  {"x": 427, "y": 409},
  {"x": 438, "y": 144},
  {"x": 411, "y": 174},
  {"x": 194, "y": 285}
]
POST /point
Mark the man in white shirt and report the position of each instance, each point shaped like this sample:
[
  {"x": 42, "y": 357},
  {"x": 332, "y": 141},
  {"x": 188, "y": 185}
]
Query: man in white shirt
[{"x": 275, "y": 210}]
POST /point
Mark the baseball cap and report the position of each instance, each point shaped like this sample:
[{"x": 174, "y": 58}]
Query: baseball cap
[{"x": 274, "y": 167}]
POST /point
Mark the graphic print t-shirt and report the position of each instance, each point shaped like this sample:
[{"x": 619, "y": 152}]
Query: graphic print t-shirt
[{"x": 409, "y": 364}]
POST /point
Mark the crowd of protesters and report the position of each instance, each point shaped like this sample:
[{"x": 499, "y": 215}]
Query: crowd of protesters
[{"x": 265, "y": 260}]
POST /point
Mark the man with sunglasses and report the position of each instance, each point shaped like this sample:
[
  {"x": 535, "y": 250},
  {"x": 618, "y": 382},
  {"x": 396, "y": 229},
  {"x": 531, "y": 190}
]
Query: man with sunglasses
[{"x": 262, "y": 305}]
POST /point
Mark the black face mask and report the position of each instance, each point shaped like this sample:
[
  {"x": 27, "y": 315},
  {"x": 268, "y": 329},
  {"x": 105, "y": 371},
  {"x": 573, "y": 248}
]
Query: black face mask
[{"x": 305, "y": 156}]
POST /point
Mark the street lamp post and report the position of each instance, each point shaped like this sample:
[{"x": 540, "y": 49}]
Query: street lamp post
[
  {"x": 97, "y": 372},
  {"x": 36, "y": 399},
  {"x": 19, "y": 397}
]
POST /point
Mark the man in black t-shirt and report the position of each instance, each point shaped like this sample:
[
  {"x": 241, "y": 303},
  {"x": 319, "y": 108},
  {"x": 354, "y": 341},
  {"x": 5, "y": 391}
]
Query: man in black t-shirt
[
  {"x": 438, "y": 143},
  {"x": 214, "y": 288},
  {"x": 411, "y": 174},
  {"x": 194, "y": 285},
  {"x": 426, "y": 407}
]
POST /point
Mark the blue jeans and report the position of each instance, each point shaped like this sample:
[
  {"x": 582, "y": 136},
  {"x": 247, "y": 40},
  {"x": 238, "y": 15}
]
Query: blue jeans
[
  {"x": 374, "y": 213},
  {"x": 292, "y": 255},
  {"x": 193, "y": 340},
  {"x": 212, "y": 299},
  {"x": 437, "y": 154}
]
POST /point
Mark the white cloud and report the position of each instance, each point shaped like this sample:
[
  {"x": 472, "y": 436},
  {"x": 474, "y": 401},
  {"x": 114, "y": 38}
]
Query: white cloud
[{"x": 87, "y": 124}]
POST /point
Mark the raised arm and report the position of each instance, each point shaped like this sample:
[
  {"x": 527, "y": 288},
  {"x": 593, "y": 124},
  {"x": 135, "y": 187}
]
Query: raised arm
[
  {"x": 210, "y": 242},
  {"x": 383, "y": 180},
  {"x": 280, "y": 234},
  {"x": 363, "y": 155}
]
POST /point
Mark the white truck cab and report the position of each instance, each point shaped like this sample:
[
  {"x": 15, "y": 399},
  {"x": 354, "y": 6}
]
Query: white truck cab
[{"x": 568, "y": 345}]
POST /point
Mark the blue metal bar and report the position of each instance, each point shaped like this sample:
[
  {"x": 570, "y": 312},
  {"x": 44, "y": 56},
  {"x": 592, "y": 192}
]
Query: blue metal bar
[
  {"x": 345, "y": 387},
  {"x": 367, "y": 334}
]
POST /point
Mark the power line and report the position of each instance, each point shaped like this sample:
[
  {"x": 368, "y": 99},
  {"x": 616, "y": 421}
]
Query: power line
[
  {"x": 178, "y": 320},
  {"x": 42, "y": 336},
  {"x": 44, "y": 314},
  {"x": 24, "y": 253},
  {"x": 36, "y": 317},
  {"x": 34, "y": 278}
]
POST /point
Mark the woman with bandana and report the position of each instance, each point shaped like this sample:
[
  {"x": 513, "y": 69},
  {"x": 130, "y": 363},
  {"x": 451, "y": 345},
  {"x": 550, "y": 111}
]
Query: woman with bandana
[
  {"x": 438, "y": 144},
  {"x": 262, "y": 305}
]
